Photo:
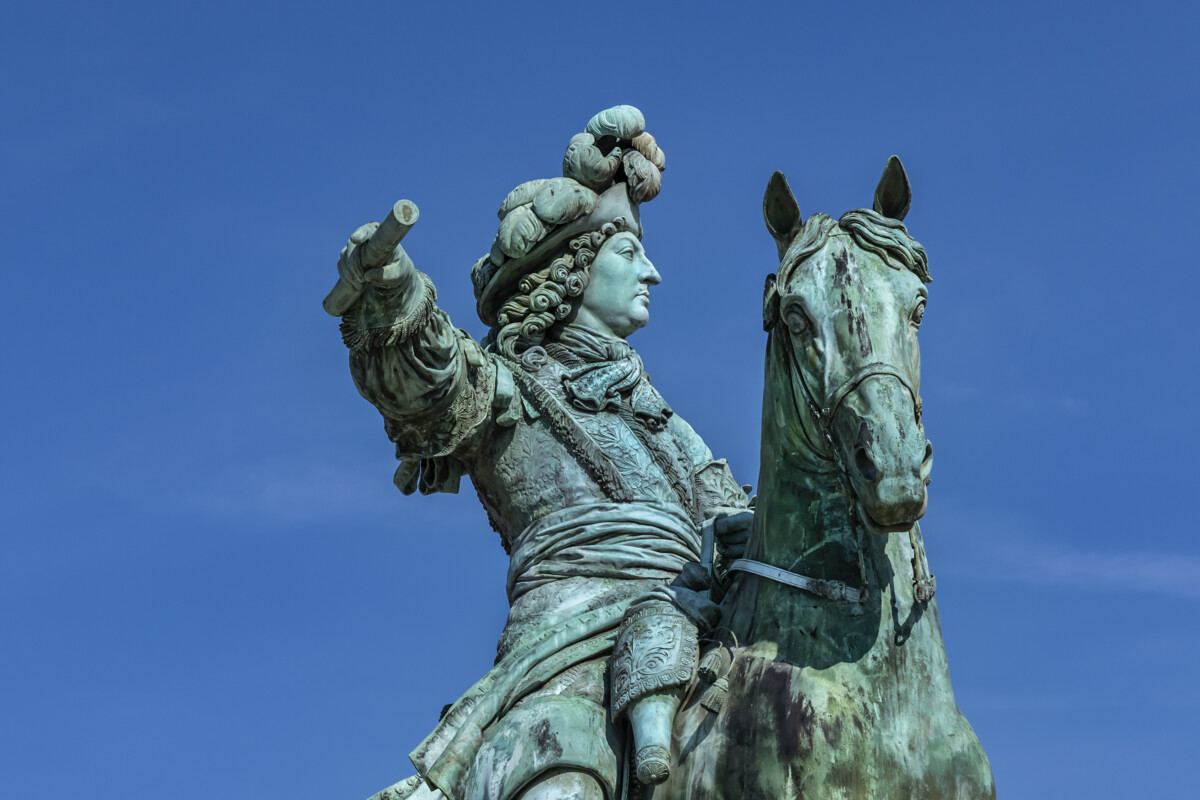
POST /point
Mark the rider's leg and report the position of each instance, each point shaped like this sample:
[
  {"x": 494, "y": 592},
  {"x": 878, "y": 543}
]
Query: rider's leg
[
  {"x": 409, "y": 789},
  {"x": 552, "y": 746},
  {"x": 563, "y": 785}
]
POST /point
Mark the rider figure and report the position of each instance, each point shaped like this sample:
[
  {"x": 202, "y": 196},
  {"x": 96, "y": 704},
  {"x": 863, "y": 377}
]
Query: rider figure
[{"x": 597, "y": 489}]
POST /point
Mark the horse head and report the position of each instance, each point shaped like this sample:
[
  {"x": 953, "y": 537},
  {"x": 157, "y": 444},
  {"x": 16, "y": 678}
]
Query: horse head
[{"x": 845, "y": 308}]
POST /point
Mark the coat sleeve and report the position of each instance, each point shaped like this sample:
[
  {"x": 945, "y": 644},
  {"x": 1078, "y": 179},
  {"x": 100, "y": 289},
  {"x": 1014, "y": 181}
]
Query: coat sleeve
[
  {"x": 432, "y": 383},
  {"x": 715, "y": 489}
]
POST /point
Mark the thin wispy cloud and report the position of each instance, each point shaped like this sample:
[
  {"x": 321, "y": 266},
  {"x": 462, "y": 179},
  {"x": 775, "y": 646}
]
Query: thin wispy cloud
[
  {"x": 277, "y": 488},
  {"x": 1024, "y": 400},
  {"x": 1010, "y": 553},
  {"x": 1069, "y": 699},
  {"x": 287, "y": 490},
  {"x": 1169, "y": 574}
]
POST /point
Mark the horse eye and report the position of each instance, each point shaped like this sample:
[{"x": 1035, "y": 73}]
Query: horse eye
[
  {"x": 918, "y": 313},
  {"x": 797, "y": 320}
]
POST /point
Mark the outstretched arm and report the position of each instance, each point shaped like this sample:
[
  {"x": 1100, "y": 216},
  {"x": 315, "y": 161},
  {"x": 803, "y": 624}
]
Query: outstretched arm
[{"x": 406, "y": 358}]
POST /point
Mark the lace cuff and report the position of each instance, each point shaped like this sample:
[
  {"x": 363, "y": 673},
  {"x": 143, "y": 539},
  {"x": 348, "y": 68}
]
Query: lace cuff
[{"x": 386, "y": 317}]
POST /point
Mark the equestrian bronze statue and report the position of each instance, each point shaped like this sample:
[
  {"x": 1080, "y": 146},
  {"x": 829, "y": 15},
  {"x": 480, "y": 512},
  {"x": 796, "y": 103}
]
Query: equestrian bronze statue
[{"x": 668, "y": 636}]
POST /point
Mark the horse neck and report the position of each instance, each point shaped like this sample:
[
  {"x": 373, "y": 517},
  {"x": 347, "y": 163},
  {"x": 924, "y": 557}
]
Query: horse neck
[{"x": 803, "y": 513}]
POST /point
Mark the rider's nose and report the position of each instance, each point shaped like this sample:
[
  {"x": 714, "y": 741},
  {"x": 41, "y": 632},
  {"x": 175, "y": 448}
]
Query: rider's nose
[{"x": 649, "y": 274}]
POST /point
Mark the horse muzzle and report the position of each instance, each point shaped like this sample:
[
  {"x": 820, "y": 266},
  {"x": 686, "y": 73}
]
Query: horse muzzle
[{"x": 887, "y": 457}]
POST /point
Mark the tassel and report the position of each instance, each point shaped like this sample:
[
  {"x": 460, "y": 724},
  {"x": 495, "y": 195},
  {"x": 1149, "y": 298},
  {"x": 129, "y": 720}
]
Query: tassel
[
  {"x": 714, "y": 696},
  {"x": 712, "y": 666}
]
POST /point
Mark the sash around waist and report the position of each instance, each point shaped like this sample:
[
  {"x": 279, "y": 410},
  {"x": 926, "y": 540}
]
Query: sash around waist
[{"x": 640, "y": 541}]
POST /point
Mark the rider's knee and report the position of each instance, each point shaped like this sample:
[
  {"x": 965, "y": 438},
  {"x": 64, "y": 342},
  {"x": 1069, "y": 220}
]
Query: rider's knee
[
  {"x": 542, "y": 738},
  {"x": 564, "y": 785}
]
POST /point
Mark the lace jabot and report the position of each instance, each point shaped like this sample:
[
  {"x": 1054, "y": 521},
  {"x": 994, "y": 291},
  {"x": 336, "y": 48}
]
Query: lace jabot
[{"x": 603, "y": 373}]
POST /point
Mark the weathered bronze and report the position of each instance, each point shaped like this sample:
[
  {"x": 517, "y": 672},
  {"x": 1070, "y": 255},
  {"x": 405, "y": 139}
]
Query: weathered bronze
[
  {"x": 839, "y": 689},
  {"x": 822, "y": 672}
]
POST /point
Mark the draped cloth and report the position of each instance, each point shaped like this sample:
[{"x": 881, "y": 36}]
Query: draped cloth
[
  {"x": 574, "y": 573},
  {"x": 600, "y": 370},
  {"x": 602, "y": 540}
]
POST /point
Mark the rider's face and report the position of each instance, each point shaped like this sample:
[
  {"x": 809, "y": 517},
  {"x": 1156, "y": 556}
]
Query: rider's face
[{"x": 617, "y": 297}]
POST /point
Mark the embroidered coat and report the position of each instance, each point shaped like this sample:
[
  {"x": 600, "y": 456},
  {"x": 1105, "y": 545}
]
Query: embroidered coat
[{"x": 597, "y": 491}]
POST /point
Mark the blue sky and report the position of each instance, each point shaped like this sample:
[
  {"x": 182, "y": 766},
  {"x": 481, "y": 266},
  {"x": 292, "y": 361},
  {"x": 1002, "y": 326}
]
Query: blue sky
[{"x": 209, "y": 586}]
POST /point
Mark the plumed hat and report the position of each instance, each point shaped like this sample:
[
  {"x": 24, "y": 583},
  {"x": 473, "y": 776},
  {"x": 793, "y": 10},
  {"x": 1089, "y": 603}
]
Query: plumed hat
[{"x": 608, "y": 170}]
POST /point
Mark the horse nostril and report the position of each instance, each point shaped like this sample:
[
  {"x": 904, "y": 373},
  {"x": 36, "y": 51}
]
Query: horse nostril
[{"x": 864, "y": 464}]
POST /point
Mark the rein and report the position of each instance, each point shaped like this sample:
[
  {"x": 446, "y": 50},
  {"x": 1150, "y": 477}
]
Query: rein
[{"x": 829, "y": 589}]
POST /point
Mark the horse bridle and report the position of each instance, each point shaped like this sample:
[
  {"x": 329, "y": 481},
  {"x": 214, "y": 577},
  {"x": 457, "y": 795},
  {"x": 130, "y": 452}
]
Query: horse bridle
[{"x": 823, "y": 415}]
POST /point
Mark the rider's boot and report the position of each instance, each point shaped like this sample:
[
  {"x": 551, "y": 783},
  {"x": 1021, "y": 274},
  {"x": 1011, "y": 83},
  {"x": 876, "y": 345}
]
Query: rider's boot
[{"x": 653, "y": 663}]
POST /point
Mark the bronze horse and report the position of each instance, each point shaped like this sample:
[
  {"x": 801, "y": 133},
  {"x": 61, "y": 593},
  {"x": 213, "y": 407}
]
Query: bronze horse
[{"x": 835, "y": 686}]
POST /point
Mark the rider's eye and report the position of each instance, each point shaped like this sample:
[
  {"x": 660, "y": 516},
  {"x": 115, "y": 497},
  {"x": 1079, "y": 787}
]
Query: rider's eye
[
  {"x": 918, "y": 313},
  {"x": 796, "y": 319}
]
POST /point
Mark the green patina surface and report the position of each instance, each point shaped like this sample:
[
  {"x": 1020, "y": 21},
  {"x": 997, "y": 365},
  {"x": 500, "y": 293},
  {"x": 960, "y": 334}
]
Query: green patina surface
[
  {"x": 609, "y": 681},
  {"x": 828, "y": 698}
]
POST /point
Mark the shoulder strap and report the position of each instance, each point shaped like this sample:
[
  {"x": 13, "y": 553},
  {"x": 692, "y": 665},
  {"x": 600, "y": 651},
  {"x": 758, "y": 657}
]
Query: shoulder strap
[
  {"x": 572, "y": 434},
  {"x": 668, "y": 462}
]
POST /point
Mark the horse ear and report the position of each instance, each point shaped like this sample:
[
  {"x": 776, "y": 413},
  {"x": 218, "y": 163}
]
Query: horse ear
[
  {"x": 781, "y": 212},
  {"x": 893, "y": 195}
]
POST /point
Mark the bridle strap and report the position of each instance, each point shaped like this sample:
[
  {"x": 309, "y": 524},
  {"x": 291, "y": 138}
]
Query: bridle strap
[
  {"x": 823, "y": 416},
  {"x": 875, "y": 369},
  {"x": 829, "y": 589}
]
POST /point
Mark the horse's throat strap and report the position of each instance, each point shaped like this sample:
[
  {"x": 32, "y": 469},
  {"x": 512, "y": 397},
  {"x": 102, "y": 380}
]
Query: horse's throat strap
[{"x": 829, "y": 589}]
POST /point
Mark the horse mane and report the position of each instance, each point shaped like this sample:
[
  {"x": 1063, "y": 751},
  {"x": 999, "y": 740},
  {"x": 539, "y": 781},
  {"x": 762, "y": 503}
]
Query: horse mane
[
  {"x": 872, "y": 231},
  {"x": 888, "y": 239}
]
